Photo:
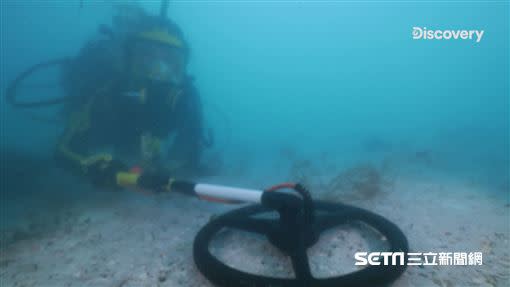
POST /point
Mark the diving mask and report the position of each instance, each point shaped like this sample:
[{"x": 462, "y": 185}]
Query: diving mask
[{"x": 157, "y": 62}]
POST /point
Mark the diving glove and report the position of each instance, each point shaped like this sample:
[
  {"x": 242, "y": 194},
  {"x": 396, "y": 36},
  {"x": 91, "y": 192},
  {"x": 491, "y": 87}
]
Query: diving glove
[{"x": 104, "y": 172}]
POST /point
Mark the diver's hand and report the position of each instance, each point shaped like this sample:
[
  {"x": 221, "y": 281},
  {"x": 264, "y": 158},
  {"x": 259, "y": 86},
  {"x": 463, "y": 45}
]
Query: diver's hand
[
  {"x": 103, "y": 172},
  {"x": 155, "y": 181}
]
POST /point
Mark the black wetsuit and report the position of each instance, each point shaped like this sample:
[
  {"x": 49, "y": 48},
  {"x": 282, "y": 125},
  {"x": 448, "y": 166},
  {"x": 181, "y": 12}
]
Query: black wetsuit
[
  {"x": 119, "y": 122},
  {"x": 115, "y": 120}
]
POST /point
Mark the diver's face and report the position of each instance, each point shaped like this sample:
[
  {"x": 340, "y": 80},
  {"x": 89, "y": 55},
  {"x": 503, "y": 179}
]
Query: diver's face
[
  {"x": 157, "y": 63},
  {"x": 158, "y": 70}
]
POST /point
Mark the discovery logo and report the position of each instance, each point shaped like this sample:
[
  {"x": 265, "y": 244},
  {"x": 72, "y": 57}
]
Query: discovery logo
[{"x": 420, "y": 33}]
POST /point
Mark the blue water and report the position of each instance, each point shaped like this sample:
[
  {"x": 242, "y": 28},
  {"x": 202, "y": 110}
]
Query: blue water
[
  {"x": 332, "y": 79},
  {"x": 319, "y": 78},
  {"x": 291, "y": 90},
  {"x": 323, "y": 74}
]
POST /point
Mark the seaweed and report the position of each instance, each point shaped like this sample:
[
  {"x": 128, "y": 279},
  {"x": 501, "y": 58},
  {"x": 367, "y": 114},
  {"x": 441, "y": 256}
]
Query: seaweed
[{"x": 362, "y": 182}]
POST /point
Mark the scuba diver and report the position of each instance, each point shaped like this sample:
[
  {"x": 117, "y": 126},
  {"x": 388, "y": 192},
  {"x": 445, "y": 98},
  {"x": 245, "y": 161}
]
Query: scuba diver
[{"x": 130, "y": 92}]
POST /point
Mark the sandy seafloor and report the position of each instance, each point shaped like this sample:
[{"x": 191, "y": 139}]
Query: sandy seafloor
[{"x": 87, "y": 237}]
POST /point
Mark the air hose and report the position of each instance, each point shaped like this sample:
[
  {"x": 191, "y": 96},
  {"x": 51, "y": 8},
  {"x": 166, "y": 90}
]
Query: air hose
[
  {"x": 163, "y": 9},
  {"x": 10, "y": 94}
]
